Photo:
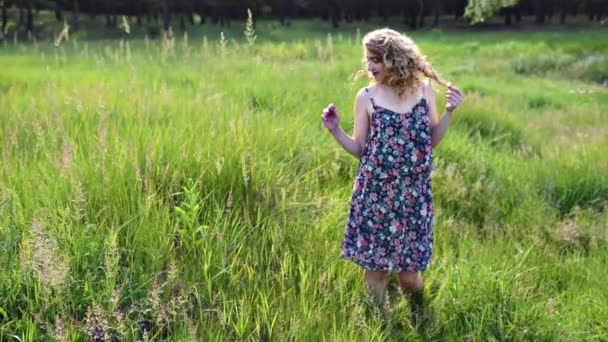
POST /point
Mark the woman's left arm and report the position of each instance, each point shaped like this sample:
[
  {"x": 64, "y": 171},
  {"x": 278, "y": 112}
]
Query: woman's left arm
[{"x": 440, "y": 126}]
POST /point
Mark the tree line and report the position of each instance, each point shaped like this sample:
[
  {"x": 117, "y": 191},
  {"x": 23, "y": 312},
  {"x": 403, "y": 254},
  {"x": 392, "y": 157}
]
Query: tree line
[{"x": 415, "y": 13}]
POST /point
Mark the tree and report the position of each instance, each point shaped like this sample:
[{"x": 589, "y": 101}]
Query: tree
[
  {"x": 4, "y": 19},
  {"x": 335, "y": 13},
  {"x": 166, "y": 15},
  {"x": 479, "y": 10},
  {"x": 540, "y": 7},
  {"x": 29, "y": 26},
  {"x": 139, "y": 11},
  {"x": 435, "y": 11},
  {"x": 58, "y": 12},
  {"x": 413, "y": 13},
  {"x": 75, "y": 15},
  {"x": 455, "y": 7},
  {"x": 420, "y": 7},
  {"x": 564, "y": 6},
  {"x": 595, "y": 9}
]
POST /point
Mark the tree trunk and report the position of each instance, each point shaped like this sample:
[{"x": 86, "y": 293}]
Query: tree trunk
[
  {"x": 540, "y": 12},
  {"x": 436, "y": 12},
  {"x": 348, "y": 16},
  {"x": 334, "y": 14},
  {"x": 508, "y": 16},
  {"x": 382, "y": 12},
  {"x": 75, "y": 16},
  {"x": 335, "y": 23},
  {"x": 460, "y": 8},
  {"x": 140, "y": 13},
  {"x": 21, "y": 16},
  {"x": 284, "y": 13},
  {"x": 58, "y": 12},
  {"x": 364, "y": 15},
  {"x": 182, "y": 23},
  {"x": 30, "y": 19},
  {"x": 413, "y": 21},
  {"x": 4, "y": 19},
  {"x": 589, "y": 9},
  {"x": 421, "y": 13},
  {"x": 166, "y": 15},
  {"x": 563, "y": 14},
  {"x": 108, "y": 20},
  {"x": 203, "y": 18}
]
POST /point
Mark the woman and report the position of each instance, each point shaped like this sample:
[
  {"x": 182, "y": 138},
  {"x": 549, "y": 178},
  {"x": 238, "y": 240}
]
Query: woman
[{"x": 390, "y": 224}]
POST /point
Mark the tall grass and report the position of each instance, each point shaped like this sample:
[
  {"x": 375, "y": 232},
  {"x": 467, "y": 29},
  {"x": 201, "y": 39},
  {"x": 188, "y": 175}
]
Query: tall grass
[{"x": 184, "y": 188}]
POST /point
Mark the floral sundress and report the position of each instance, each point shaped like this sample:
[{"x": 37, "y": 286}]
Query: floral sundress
[{"x": 390, "y": 223}]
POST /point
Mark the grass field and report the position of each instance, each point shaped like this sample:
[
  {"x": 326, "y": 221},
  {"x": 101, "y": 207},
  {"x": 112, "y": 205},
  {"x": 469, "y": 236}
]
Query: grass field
[{"x": 186, "y": 189}]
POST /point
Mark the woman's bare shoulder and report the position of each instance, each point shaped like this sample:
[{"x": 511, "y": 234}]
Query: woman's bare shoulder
[
  {"x": 365, "y": 92},
  {"x": 364, "y": 99}
]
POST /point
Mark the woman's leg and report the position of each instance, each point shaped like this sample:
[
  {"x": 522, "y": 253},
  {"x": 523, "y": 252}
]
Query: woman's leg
[
  {"x": 412, "y": 285},
  {"x": 411, "y": 282},
  {"x": 376, "y": 282}
]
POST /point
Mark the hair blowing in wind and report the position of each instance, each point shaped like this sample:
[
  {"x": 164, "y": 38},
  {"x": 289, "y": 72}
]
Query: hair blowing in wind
[{"x": 405, "y": 64}]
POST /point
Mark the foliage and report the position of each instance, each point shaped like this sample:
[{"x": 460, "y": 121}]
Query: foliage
[{"x": 479, "y": 10}]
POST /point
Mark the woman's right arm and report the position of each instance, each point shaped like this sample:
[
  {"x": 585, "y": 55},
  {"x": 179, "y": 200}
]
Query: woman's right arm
[{"x": 355, "y": 144}]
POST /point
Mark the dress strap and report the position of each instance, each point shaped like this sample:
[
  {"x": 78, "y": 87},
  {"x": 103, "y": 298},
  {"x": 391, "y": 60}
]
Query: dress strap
[
  {"x": 370, "y": 97},
  {"x": 421, "y": 91},
  {"x": 424, "y": 87}
]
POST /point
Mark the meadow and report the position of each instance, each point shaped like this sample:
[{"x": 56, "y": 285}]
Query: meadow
[{"x": 185, "y": 188}]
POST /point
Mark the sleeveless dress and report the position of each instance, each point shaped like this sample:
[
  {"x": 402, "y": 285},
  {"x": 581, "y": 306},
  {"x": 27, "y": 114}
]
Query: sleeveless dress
[{"x": 390, "y": 223}]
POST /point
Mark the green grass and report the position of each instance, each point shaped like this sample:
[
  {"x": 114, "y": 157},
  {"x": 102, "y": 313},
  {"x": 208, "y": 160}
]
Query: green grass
[{"x": 190, "y": 192}]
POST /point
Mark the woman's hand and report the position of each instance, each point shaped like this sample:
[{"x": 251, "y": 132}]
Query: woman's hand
[
  {"x": 454, "y": 98},
  {"x": 330, "y": 117}
]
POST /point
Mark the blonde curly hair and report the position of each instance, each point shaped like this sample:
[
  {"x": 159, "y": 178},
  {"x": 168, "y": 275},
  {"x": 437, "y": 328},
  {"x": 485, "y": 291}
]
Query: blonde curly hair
[{"x": 406, "y": 66}]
